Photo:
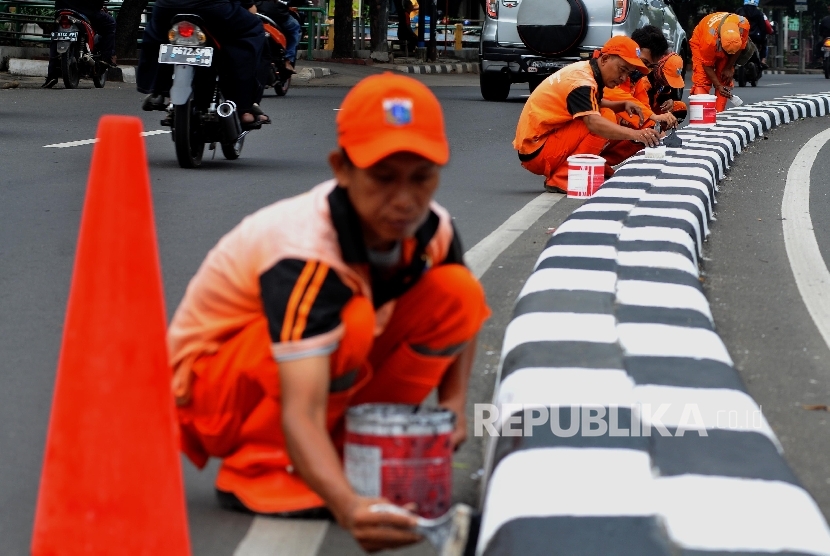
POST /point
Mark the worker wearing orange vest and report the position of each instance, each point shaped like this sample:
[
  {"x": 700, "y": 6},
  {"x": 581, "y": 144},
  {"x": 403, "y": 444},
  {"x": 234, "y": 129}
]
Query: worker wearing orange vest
[
  {"x": 567, "y": 114},
  {"x": 353, "y": 292},
  {"x": 716, "y": 44}
]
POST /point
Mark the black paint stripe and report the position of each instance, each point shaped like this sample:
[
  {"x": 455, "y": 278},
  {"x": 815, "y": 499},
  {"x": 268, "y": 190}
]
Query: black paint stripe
[
  {"x": 679, "y": 205},
  {"x": 607, "y": 200},
  {"x": 689, "y": 318},
  {"x": 681, "y": 190},
  {"x": 612, "y": 215},
  {"x": 664, "y": 222},
  {"x": 722, "y": 453},
  {"x": 656, "y": 245},
  {"x": 587, "y": 355},
  {"x": 565, "y": 301},
  {"x": 582, "y": 238},
  {"x": 572, "y": 430},
  {"x": 669, "y": 175},
  {"x": 663, "y": 275},
  {"x": 580, "y": 536},
  {"x": 683, "y": 372},
  {"x": 582, "y": 263}
]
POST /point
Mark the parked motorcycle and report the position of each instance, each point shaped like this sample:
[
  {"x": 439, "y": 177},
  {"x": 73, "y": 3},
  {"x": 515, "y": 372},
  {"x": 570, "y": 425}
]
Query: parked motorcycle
[
  {"x": 76, "y": 44},
  {"x": 276, "y": 75},
  {"x": 198, "y": 113},
  {"x": 825, "y": 50}
]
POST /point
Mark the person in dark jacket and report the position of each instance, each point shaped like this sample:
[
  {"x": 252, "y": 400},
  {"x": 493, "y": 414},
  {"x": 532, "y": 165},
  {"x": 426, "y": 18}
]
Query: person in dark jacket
[
  {"x": 287, "y": 23},
  {"x": 103, "y": 24},
  {"x": 757, "y": 27},
  {"x": 241, "y": 36}
]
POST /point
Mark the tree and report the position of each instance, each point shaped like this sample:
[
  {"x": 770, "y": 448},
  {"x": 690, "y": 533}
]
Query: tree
[
  {"x": 126, "y": 33},
  {"x": 378, "y": 24},
  {"x": 343, "y": 23}
]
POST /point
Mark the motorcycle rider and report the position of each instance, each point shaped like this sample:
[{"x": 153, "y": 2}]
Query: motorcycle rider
[
  {"x": 757, "y": 27},
  {"x": 103, "y": 24},
  {"x": 280, "y": 12},
  {"x": 241, "y": 36},
  {"x": 823, "y": 30}
]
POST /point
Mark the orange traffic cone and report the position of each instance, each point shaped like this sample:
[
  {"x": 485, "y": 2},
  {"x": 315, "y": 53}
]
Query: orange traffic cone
[{"x": 112, "y": 480}]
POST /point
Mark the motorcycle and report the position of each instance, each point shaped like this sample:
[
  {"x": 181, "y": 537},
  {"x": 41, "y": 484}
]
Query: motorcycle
[
  {"x": 75, "y": 41},
  {"x": 825, "y": 50},
  {"x": 751, "y": 70},
  {"x": 198, "y": 113},
  {"x": 276, "y": 75}
]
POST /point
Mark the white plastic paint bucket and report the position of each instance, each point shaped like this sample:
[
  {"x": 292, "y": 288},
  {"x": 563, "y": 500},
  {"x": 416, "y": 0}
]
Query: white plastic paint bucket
[
  {"x": 702, "y": 110},
  {"x": 586, "y": 174}
]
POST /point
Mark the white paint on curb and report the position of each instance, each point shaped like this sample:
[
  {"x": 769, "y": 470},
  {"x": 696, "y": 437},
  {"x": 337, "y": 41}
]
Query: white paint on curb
[
  {"x": 272, "y": 537},
  {"x": 28, "y": 68},
  {"x": 811, "y": 274}
]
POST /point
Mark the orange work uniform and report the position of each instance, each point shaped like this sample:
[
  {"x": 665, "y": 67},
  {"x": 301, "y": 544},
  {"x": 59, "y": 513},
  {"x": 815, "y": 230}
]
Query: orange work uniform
[
  {"x": 636, "y": 91},
  {"x": 295, "y": 280},
  {"x": 550, "y": 127},
  {"x": 708, "y": 52}
]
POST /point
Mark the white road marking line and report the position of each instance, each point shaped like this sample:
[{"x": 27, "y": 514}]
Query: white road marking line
[
  {"x": 481, "y": 255},
  {"x": 91, "y": 141},
  {"x": 274, "y": 536},
  {"x": 809, "y": 269},
  {"x": 774, "y": 84}
]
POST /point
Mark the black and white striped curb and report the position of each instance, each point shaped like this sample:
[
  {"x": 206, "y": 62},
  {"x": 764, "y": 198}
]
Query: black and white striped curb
[
  {"x": 439, "y": 68},
  {"x": 312, "y": 73},
  {"x": 613, "y": 323},
  {"x": 774, "y": 72}
]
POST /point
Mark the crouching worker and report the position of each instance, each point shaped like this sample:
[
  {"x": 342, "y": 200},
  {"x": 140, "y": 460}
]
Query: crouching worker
[
  {"x": 665, "y": 87},
  {"x": 567, "y": 115},
  {"x": 716, "y": 44},
  {"x": 353, "y": 292},
  {"x": 653, "y": 45}
]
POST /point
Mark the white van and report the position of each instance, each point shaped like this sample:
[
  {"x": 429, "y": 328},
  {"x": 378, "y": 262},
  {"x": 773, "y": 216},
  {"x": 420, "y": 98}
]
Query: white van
[{"x": 524, "y": 41}]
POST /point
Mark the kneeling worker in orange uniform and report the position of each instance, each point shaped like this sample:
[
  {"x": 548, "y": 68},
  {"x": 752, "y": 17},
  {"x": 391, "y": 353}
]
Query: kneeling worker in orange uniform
[
  {"x": 653, "y": 45},
  {"x": 567, "y": 115},
  {"x": 716, "y": 44},
  {"x": 665, "y": 87},
  {"x": 353, "y": 292}
]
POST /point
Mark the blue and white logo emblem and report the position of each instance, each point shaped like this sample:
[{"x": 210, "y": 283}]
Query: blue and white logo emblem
[
  {"x": 397, "y": 111},
  {"x": 638, "y": 52}
]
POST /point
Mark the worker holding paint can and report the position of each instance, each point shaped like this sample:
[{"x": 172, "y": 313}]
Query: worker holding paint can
[
  {"x": 353, "y": 292},
  {"x": 716, "y": 44},
  {"x": 567, "y": 115}
]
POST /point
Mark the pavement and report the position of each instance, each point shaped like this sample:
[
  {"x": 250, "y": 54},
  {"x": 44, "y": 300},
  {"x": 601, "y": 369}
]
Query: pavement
[{"x": 41, "y": 194}]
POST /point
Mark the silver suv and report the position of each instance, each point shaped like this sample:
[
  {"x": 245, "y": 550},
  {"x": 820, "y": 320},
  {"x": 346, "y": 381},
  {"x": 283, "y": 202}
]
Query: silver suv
[{"x": 524, "y": 41}]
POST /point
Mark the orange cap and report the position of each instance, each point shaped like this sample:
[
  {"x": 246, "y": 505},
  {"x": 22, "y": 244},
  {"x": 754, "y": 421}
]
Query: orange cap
[
  {"x": 730, "y": 36},
  {"x": 626, "y": 49},
  {"x": 386, "y": 114},
  {"x": 672, "y": 67}
]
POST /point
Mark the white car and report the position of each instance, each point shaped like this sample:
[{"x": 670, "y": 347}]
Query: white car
[{"x": 524, "y": 41}]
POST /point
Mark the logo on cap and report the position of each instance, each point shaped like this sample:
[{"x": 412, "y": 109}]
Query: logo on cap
[
  {"x": 637, "y": 50},
  {"x": 397, "y": 111}
]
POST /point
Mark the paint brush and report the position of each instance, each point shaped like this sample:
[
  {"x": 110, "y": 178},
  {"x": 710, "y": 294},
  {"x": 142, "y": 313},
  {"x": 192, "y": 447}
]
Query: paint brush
[{"x": 447, "y": 533}]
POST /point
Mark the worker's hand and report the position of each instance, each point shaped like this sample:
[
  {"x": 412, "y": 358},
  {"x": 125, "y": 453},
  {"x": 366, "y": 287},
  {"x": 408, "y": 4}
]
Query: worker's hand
[
  {"x": 459, "y": 434},
  {"x": 647, "y": 136},
  {"x": 378, "y": 530},
  {"x": 252, "y": 9},
  {"x": 727, "y": 74},
  {"x": 667, "y": 120},
  {"x": 667, "y": 106},
  {"x": 632, "y": 108},
  {"x": 724, "y": 91}
]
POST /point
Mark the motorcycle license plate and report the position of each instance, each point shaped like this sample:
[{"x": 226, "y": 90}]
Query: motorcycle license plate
[
  {"x": 71, "y": 36},
  {"x": 187, "y": 55}
]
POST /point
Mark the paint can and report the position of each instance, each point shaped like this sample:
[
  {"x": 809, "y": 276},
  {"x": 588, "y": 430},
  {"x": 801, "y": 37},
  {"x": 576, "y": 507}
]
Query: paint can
[
  {"x": 702, "y": 110},
  {"x": 402, "y": 453},
  {"x": 586, "y": 174}
]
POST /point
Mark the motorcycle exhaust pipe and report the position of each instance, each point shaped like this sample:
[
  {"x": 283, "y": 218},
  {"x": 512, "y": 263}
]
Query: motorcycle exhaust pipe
[{"x": 230, "y": 127}]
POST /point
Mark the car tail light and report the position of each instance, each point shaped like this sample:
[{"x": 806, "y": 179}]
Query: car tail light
[
  {"x": 620, "y": 10},
  {"x": 826, "y": 42},
  {"x": 493, "y": 8},
  {"x": 186, "y": 33},
  {"x": 64, "y": 22}
]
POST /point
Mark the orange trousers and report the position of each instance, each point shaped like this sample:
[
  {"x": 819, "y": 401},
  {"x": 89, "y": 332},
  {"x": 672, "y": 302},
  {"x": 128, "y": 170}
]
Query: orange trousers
[
  {"x": 701, "y": 85},
  {"x": 572, "y": 138},
  {"x": 234, "y": 411}
]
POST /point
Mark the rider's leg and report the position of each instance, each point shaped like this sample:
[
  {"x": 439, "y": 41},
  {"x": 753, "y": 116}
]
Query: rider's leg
[
  {"x": 293, "y": 33},
  {"x": 104, "y": 25}
]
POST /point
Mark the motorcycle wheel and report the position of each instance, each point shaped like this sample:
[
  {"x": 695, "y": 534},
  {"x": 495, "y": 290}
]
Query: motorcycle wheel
[
  {"x": 827, "y": 68},
  {"x": 99, "y": 75},
  {"x": 281, "y": 88},
  {"x": 70, "y": 71},
  {"x": 233, "y": 150},
  {"x": 189, "y": 143}
]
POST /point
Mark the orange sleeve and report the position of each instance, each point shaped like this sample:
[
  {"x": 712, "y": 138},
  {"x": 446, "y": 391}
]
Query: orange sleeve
[{"x": 624, "y": 93}]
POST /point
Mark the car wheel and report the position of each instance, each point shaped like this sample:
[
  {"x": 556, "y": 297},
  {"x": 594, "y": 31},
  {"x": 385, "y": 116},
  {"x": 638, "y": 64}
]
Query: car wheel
[{"x": 494, "y": 86}]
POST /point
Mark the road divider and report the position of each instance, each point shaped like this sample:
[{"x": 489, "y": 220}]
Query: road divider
[{"x": 612, "y": 333}]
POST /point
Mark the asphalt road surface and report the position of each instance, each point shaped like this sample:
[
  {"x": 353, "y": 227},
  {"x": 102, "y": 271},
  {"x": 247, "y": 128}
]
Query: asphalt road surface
[{"x": 41, "y": 194}]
